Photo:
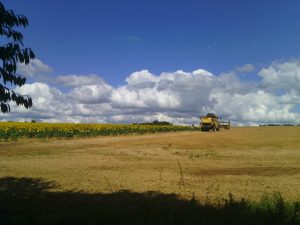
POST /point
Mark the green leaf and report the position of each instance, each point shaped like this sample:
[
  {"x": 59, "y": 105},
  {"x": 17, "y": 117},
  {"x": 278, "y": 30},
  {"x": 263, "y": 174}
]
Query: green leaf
[{"x": 10, "y": 54}]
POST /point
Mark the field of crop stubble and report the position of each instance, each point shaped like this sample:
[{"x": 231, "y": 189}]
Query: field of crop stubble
[{"x": 246, "y": 162}]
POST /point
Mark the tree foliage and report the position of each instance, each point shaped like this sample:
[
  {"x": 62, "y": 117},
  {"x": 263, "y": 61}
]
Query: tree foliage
[{"x": 12, "y": 53}]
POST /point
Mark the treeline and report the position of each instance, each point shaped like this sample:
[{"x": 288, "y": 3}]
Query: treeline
[
  {"x": 279, "y": 125},
  {"x": 155, "y": 122}
]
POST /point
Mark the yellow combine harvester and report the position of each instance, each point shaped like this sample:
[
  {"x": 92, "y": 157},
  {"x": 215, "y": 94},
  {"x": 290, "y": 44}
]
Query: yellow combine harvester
[{"x": 210, "y": 122}]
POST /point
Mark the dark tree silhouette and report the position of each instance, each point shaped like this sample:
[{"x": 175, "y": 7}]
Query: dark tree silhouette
[{"x": 11, "y": 53}]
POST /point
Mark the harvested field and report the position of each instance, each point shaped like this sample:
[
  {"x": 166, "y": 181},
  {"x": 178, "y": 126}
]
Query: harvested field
[{"x": 246, "y": 162}]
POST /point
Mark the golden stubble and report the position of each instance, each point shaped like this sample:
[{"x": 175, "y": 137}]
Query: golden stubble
[{"x": 246, "y": 162}]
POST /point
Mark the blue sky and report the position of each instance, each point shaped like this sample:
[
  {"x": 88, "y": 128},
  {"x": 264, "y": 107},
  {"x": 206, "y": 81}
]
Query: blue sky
[{"x": 115, "y": 38}]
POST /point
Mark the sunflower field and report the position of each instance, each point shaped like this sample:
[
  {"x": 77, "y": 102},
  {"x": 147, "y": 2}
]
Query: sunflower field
[{"x": 15, "y": 130}]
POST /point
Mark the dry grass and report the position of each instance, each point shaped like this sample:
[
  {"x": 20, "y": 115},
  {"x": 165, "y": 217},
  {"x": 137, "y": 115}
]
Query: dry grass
[{"x": 246, "y": 162}]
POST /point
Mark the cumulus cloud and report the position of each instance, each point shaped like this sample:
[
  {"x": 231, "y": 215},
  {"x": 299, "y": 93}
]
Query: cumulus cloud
[
  {"x": 35, "y": 67},
  {"x": 256, "y": 106},
  {"x": 74, "y": 80},
  {"x": 179, "y": 97},
  {"x": 142, "y": 79},
  {"x": 48, "y": 101},
  {"x": 91, "y": 94},
  {"x": 52, "y": 105},
  {"x": 247, "y": 68},
  {"x": 148, "y": 98},
  {"x": 282, "y": 75}
]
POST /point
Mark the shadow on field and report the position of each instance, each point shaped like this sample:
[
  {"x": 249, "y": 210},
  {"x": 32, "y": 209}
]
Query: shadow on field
[{"x": 30, "y": 201}]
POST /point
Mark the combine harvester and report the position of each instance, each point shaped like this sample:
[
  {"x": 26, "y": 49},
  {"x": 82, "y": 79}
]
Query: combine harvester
[{"x": 211, "y": 122}]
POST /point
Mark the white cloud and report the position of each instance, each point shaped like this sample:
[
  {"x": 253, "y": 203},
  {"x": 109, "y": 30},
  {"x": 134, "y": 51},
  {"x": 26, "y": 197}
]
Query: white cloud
[
  {"x": 290, "y": 97},
  {"x": 256, "y": 106},
  {"x": 142, "y": 79},
  {"x": 91, "y": 94},
  {"x": 202, "y": 72},
  {"x": 48, "y": 101},
  {"x": 52, "y": 105},
  {"x": 35, "y": 67},
  {"x": 247, "y": 68},
  {"x": 151, "y": 98},
  {"x": 74, "y": 80},
  {"x": 177, "y": 97},
  {"x": 282, "y": 75},
  {"x": 198, "y": 92}
]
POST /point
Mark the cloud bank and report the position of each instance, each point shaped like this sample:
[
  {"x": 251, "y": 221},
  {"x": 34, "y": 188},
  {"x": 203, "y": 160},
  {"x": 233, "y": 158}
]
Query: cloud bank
[
  {"x": 179, "y": 97},
  {"x": 35, "y": 67}
]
